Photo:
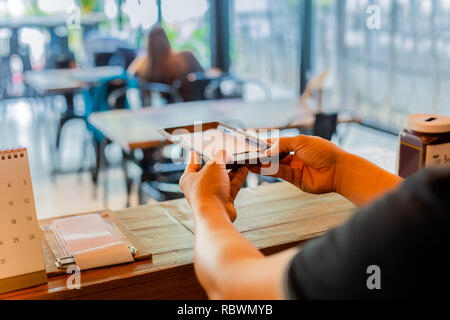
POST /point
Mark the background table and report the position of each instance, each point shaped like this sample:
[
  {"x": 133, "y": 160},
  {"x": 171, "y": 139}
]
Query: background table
[
  {"x": 67, "y": 82},
  {"x": 59, "y": 81},
  {"x": 139, "y": 129},
  {"x": 273, "y": 217}
]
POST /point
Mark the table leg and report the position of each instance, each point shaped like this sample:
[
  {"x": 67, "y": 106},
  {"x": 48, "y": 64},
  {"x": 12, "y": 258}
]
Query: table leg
[
  {"x": 146, "y": 174},
  {"x": 128, "y": 181}
]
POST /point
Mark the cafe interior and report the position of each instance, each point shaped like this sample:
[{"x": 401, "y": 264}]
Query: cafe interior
[{"x": 74, "y": 93}]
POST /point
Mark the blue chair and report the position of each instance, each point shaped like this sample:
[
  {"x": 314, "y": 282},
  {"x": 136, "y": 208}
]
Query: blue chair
[{"x": 96, "y": 100}]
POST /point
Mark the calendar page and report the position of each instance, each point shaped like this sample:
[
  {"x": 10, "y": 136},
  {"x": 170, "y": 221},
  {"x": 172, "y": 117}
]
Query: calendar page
[{"x": 20, "y": 237}]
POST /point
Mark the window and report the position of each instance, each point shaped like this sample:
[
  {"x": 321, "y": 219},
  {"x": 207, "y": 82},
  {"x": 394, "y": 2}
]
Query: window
[
  {"x": 187, "y": 24},
  {"x": 386, "y": 73},
  {"x": 265, "y": 42}
]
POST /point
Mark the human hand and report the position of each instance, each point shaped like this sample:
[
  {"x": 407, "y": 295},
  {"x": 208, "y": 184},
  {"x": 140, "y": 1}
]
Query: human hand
[
  {"x": 313, "y": 165},
  {"x": 212, "y": 184}
]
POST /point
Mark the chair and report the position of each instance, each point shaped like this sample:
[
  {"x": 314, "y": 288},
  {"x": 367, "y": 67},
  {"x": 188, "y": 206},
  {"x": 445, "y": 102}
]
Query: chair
[
  {"x": 325, "y": 125},
  {"x": 229, "y": 86},
  {"x": 160, "y": 175},
  {"x": 194, "y": 87},
  {"x": 96, "y": 99},
  {"x": 168, "y": 93},
  {"x": 118, "y": 99}
]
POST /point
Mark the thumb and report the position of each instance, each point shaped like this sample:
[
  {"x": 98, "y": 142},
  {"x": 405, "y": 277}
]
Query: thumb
[{"x": 219, "y": 157}]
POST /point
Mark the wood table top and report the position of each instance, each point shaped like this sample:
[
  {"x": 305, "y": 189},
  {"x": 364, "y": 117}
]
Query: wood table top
[
  {"x": 55, "y": 81},
  {"x": 273, "y": 217},
  {"x": 139, "y": 129}
]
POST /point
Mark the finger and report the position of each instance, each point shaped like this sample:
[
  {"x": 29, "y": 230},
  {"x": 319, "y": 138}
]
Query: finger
[
  {"x": 232, "y": 173},
  {"x": 284, "y": 172},
  {"x": 219, "y": 158},
  {"x": 285, "y": 145},
  {"x": 287, "y": 160},
  {"x": 194, "y": 163},
  {"x": 184, "y": 180},
  {"x": 255, "y": 168},
  {"x": 238, "y": 181}
]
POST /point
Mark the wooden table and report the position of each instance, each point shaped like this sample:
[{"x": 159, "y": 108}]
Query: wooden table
[
  {"x": 273, "y": 217},
  {"x": 50, "y": 82},
  {"x": 139, "y": 129},
  {"x": 59, "y": 81}
]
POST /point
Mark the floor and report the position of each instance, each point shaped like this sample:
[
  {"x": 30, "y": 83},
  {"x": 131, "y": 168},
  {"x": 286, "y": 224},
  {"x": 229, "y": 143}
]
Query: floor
[{"x": 30, "y": 124}]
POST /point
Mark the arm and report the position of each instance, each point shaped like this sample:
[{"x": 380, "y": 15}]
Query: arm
[
  {"x": 361, "y": 181},
  {"x": 316, "y": 165},
  {"x": 137, "y": 65},
  {"x": 227, "y": 265}
]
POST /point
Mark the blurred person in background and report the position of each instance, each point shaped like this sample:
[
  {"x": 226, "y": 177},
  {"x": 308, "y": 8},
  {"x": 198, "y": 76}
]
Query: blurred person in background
[{"x": 161, "y": 63}]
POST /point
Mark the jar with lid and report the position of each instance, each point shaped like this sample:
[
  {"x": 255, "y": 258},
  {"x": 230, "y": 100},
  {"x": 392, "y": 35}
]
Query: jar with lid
[{"x": 423, "y": 143}]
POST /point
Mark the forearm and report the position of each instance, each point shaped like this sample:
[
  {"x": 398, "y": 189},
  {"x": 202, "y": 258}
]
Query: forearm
[
  {"x": 218, "y": 249},
  {"x": 361, "y": 181}
]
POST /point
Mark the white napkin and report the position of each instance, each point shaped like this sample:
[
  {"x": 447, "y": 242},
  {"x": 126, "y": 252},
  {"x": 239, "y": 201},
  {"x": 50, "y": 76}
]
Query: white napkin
[{"x": 107, "y": 255}]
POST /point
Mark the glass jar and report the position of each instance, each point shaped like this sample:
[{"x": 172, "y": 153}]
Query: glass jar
[{"x": 423, "y": 143}]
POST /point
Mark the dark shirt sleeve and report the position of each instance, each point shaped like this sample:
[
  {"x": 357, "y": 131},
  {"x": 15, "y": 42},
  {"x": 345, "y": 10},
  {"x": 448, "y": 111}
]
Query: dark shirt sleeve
[{"x": 406, "y": 234}]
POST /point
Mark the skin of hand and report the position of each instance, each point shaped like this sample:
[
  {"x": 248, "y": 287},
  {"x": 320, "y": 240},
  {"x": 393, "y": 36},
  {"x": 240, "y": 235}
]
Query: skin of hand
[
  {"x": 227, "y": 265},
  {"x": 212, "y": 183},
  {"x": 316, "y": 165},
  {"x": 312, "y": 165}
]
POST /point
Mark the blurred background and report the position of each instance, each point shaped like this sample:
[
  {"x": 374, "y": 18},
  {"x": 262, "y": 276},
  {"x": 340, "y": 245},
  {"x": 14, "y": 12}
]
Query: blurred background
[{"x": 324, "y": 54}]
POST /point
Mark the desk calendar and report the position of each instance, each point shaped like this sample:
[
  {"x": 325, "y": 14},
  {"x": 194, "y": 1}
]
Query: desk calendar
[{"x": 21, "y": 255}]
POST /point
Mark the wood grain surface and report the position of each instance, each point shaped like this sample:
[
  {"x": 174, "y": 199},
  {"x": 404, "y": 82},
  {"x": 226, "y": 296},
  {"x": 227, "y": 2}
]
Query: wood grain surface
[{"x": 273, "y": 217}]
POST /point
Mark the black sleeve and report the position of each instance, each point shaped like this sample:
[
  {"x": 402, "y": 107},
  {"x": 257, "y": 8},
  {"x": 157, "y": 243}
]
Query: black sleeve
[{"x": 406, "y": 234}]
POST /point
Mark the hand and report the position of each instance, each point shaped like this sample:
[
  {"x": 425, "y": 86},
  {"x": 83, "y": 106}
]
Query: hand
[
  {"x": 313, "y": 165},
  {"x": 212, "y": 183}
]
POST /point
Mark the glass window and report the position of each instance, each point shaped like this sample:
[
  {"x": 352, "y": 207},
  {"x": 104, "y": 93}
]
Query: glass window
[
  {"x": 265, "y": 42},
  {"x": 384, "y": 71},
  {"x": 187, "y": 24}
]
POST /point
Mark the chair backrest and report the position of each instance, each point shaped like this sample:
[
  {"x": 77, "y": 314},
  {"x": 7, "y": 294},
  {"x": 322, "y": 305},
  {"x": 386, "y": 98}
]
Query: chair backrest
[
  {"x": 194, "y": 87},
  {"x": 100, "y": 46},
  {"x": 200, "y": 86},
  {"x": 117, "y": 98},
  {"x": 167, "y": 92},
  {"x": 123, "y": 57},
  {"x": 229, "y": 86},
  {"x": 325, "y": 125}
]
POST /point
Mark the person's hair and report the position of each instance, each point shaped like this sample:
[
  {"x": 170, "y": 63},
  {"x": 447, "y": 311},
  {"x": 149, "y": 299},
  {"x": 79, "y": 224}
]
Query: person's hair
[
  {"x": 158, "y": 46},
  {"x": 158, "y": 54},
  {"x": 162, "y": 64}
]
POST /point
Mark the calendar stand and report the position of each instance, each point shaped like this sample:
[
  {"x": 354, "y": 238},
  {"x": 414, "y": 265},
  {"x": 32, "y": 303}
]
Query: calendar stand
[
  {"x": 23, "y": 281},
  {"x": 21, "y": 254}
]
